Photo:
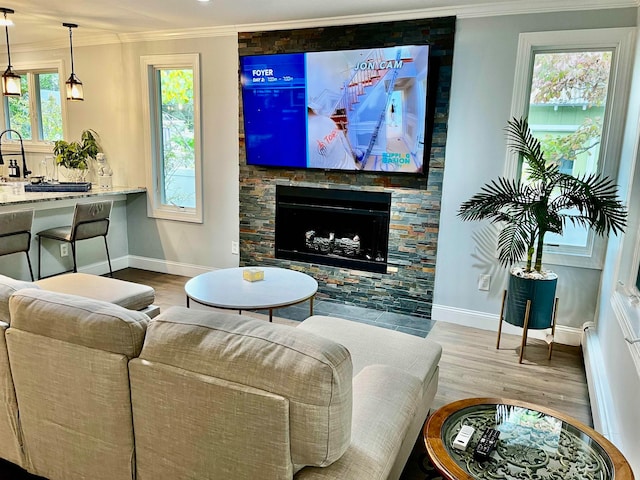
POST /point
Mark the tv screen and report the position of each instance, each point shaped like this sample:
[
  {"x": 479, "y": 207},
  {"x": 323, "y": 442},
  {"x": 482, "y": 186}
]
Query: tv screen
[{"x": 360, "y": 110}]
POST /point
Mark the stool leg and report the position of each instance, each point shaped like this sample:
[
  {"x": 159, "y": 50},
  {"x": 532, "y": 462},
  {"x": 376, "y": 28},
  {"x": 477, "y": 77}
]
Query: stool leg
[
  {"x": 553, "y": 327},
  {"x": 524, "y": 332},
  {"x": 73, "y": 251},
  {"x": 504, "y": 297},
  {"x": 106, "y": 247},
  {"x": 39, "y": 257},
  {"x": 29, "y": 262}
]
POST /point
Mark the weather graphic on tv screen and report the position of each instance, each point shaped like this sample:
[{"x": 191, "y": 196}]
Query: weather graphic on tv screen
[{"x": 338, "y": 110}]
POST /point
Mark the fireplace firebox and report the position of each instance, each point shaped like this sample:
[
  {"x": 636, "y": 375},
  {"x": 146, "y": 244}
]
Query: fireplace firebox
[{"x": 344, "y": 228}]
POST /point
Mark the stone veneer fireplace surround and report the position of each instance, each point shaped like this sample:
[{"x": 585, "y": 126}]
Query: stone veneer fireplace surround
[{"x": 407, "y": 287}]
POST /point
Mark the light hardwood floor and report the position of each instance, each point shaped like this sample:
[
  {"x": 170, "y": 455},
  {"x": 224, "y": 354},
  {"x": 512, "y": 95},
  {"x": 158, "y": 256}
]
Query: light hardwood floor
[{"x": 470, "y": 365}]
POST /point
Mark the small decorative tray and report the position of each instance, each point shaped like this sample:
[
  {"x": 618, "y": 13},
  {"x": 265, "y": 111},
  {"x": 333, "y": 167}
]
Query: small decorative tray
[{"x": 58, "y": 187}]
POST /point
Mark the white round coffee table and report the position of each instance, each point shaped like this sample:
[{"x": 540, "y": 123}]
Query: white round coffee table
[{"x": 226, "y": 288}]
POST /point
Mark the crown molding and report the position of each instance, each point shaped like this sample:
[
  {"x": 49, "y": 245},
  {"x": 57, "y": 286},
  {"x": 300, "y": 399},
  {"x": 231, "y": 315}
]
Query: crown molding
[
  {"x": 490, "y": 9},
  {"x": 466, "y": 11},
  {"x": 63, "y": 43}
]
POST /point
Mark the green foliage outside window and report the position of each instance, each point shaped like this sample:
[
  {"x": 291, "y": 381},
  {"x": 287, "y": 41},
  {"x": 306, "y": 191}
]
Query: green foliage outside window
[
  {"x": 572, "y": 78},
  {"x": 177, "y": 128},
  {"x": 19, "y": 111},
  {"x": 50, "y": 106},
  {"x": 564, "y": 77}
]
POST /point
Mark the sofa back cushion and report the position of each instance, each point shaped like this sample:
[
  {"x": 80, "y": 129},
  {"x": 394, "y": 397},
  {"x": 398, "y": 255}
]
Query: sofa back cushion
[
  {"x": 69, "y": 359},
  {"x": 298, "y": 380},
  {"x": 79, "y": 320},
  {"x": 10, "y": 432},
  {"x": 8, "y": 286}
]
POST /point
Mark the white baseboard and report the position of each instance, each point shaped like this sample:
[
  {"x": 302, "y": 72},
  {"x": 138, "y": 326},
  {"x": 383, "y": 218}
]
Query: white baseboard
[
  {"x": 145, "y": 263},
  {"x": 165, "y": 266},
  {"x": 599, "y": 391},
  {"x": 488, "y": 321},
  {"x": 102, "y": 268}
]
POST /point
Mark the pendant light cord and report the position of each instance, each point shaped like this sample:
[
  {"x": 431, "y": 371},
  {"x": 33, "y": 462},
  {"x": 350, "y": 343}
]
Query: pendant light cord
[
  {"x": 71, "y": 48},
  {"x": 6, "y": 31}
]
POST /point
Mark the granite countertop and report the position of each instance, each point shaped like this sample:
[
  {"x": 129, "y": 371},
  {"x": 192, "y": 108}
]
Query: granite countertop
[{"x": 12, "y": 193}]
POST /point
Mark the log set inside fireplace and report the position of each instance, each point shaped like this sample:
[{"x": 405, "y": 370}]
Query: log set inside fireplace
[{"x": 344, "y": 228}]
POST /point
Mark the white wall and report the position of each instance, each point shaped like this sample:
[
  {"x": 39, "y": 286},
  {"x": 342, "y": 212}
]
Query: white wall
[
  {"x": 206, "y": 245},
  {"x": 483, "y": 75},
  {"x": 620, "y": 374}
]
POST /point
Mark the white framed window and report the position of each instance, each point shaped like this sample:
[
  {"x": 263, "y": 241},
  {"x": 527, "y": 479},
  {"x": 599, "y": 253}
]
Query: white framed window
[
  {"x": 39, "y": 114},
  {"x": 171, "y": 106},
  {"x": 573, "y": 88}
]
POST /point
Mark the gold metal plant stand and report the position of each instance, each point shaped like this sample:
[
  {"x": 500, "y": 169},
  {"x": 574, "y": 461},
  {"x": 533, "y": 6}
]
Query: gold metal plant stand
[{"x": 525, "y": 327}]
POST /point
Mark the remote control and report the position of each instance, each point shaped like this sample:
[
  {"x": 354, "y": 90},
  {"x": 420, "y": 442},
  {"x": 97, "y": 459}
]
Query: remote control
[
  {"x": 486, "y": 444},
  {"x": 462, "y": 439}
]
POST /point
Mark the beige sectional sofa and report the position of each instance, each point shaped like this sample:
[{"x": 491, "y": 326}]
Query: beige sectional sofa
[{"x": 103, "y": 392}]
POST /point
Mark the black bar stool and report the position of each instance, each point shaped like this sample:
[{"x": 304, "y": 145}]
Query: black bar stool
[
  {"x": 15, "y": 233},
  {"x": 90, "y": 220}
]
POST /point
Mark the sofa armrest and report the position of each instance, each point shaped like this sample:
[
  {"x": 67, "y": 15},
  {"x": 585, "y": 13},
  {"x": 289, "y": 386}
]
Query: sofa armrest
[{"x": 385, "y": 399}]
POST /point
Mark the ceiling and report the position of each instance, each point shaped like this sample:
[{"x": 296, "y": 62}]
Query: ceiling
[{"x": 39, "y": 22}]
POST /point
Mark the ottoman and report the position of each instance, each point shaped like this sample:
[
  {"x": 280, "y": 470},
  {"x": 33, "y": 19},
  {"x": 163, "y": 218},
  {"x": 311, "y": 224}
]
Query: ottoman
[{"x": 132, "y": 296}]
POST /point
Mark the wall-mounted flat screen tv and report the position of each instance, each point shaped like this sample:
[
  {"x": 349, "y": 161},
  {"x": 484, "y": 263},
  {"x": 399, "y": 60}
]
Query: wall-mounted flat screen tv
[{"x": 360, "y": 110}]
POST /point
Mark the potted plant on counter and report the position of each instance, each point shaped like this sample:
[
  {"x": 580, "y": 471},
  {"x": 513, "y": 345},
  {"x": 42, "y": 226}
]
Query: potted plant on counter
[
  {"x": 74, "y": 156},
  {"x": 527, "y": 209}
]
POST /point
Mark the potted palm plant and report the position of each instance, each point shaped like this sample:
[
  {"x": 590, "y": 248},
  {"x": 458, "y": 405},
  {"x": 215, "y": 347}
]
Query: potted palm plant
[
  {"x": 74, "y": 156},
  {"x": 527, "y": 210}
]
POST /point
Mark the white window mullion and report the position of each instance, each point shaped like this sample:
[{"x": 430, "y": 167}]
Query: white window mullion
[{"x": 33, "y": 107}]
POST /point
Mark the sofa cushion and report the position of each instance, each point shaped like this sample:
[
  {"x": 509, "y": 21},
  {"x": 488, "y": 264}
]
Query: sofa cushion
[
  {"x": 8, "y": 286},
  {"x": 314, "y": 374},
  {"x": 371, "y": 345},
  {"x": 385, "y": 400},
  {"x": 218, "y": 429},
  {"x": 78, "y": 320},
  {"x": 126, "y": 294}
]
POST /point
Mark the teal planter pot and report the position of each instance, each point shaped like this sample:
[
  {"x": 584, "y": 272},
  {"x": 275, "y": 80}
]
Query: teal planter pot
[{"x": 542, "y": 294}]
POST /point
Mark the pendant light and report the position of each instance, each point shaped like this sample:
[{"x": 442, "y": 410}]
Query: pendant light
[
  {"x": 10, "y": 80},
  {"x": 74, "y": 85}
]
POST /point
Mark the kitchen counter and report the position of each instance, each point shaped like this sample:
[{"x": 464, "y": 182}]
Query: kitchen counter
[
  {"x": 52, "y": 209},
  {"x": 12, "y": 194}
]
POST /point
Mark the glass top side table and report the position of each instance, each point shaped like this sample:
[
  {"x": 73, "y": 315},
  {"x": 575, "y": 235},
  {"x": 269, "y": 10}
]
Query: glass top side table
[{"x": 534, "y": 442}]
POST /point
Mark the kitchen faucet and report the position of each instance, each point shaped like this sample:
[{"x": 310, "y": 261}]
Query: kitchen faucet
[{"x": 25, "y": 170}]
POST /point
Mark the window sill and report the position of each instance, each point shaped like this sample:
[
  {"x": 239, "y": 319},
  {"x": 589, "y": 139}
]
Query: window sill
[
  {"x": 178, "y": 214},
  {"x": 593, "y": 262}
]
